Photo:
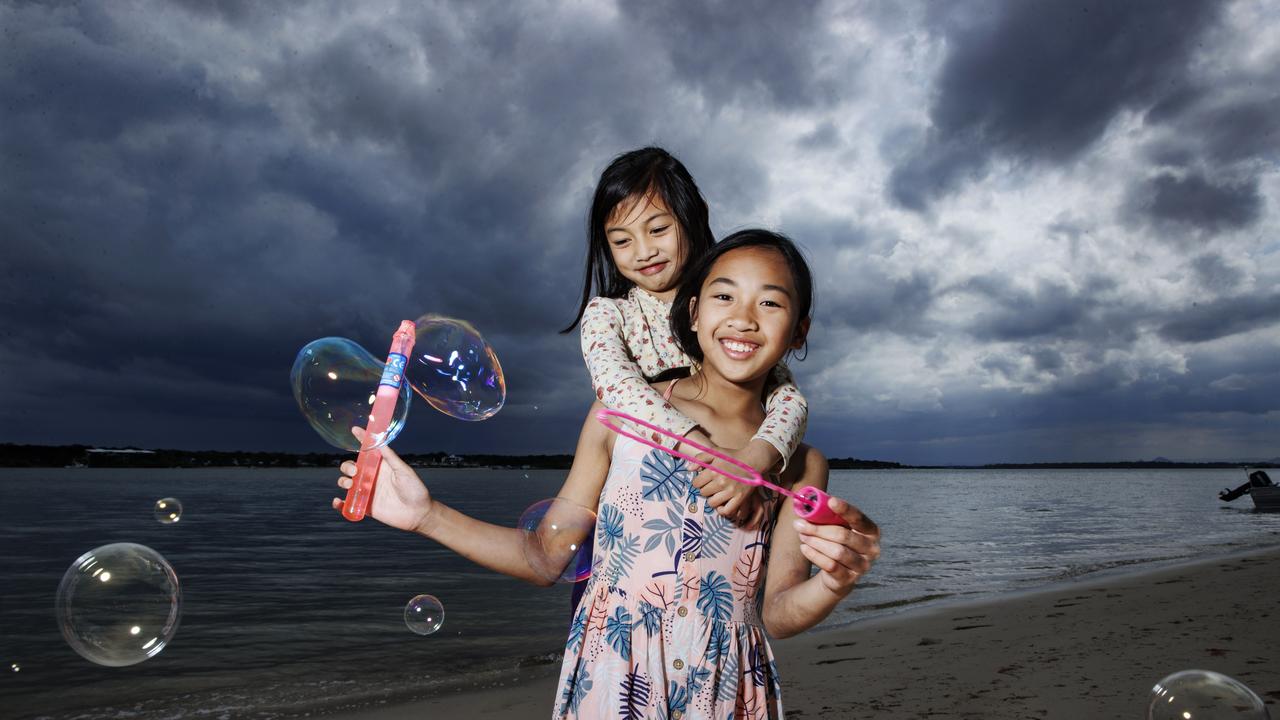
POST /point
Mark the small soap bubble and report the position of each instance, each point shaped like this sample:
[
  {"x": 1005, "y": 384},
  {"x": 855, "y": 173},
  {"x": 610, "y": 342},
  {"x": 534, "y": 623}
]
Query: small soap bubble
[
  {"x": 168, "y": 510},
  {"x": 455, "y": 370},
  {"x": 424, "y": 614},
  {"x": 1204, "y": 695},
  {"x": 556, "y": 535},
  {"x": 335, "y": 383},
  {"x": 15, "y": 667},
  {"x": 119, "y": 604}
]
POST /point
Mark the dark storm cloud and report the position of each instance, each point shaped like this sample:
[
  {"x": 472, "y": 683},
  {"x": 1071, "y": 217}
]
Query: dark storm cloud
[
  {"x": 748, "y": 51},
  {"x": 1040, "y": 82},
  {"x": 1216, "y": 274},
  {"x": 1050, "y": 310},
  {"x": 1222, "y": 317},
  {"x": 1192, "y": 201}
]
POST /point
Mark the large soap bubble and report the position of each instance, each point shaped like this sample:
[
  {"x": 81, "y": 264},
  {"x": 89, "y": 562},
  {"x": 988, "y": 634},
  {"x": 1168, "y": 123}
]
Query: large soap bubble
[
  {"x": 555, "y": 536},
  {"x": 119, "y": 604},
  {"x": 424, "y": 614},
  {"x": 455, "y": 370},
  {"x": 334, "y": 381},
  {"x": 1204, "y": 695}
]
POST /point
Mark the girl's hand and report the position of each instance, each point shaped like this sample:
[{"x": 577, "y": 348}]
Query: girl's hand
[
  {"x": 399, "y": 497},
  {"x": 737, "y": 501},
  {"x": 842, "y": 554}
]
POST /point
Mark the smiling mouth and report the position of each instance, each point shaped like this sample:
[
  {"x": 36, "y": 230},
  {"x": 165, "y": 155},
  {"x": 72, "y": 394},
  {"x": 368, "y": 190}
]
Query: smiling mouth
[
  {"x": 738, "y": 350},
  {"x": 653, "y": 269}
]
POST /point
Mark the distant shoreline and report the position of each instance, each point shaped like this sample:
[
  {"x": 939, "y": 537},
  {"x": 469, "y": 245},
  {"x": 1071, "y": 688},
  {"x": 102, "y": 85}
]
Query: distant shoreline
[{"x": 75, "y": 456}]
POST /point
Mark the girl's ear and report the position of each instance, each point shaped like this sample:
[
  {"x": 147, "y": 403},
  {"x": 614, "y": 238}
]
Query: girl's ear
[
  {"x": 693, "y": 314},
  {"x": 802, "y": 331}
]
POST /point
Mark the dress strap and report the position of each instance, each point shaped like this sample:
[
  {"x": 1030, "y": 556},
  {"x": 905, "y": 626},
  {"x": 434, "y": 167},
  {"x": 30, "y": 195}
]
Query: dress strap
[{"x": 667, "y": 394}]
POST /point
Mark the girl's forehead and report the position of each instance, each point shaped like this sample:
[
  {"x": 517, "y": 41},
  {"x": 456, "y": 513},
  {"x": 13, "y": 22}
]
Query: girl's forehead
[
  {"x": 762, "y": 265},
  {"x": 635, "y": 207}
]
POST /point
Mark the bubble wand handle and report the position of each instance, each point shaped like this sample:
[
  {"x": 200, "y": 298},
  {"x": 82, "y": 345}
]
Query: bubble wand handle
[
  {"x": 809, "y": 502},
  {"x": 356, "y": 504}
]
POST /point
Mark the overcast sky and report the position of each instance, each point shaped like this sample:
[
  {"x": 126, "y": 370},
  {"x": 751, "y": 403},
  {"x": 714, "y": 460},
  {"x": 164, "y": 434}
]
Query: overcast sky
[{"x": 1041, "y": 230}]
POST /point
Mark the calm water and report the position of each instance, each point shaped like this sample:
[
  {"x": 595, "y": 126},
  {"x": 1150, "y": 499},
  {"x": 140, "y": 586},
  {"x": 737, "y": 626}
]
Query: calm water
[{"x": 290, "y": 610}]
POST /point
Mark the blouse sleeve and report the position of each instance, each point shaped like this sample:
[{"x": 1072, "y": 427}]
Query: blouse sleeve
[
  {"x": 786, "y": 415},
  {"x": 616, "y": 376}
]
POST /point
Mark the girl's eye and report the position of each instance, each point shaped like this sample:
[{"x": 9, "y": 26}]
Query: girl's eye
[
  {"x": 660, "y": 230},
  {"x": 619, "y": 242},
  {"x": 722, "y": 296},
  {"x": 771, "y": 303}
]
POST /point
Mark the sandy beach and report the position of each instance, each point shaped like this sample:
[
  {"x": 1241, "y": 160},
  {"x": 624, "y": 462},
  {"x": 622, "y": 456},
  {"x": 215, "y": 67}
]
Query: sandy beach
[{"x": 1085, "y": 649}]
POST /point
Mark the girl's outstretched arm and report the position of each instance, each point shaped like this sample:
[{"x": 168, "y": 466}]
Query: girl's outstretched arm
[
  {"x": 616, "y": 374},
  {"x": 402, "y": 501},
  {"x": 794, "y": 601}
]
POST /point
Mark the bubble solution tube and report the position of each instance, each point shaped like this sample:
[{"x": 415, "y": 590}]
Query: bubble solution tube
[
  {"x": 809, "y": 502},
  {"x": 384, "y": 404}
]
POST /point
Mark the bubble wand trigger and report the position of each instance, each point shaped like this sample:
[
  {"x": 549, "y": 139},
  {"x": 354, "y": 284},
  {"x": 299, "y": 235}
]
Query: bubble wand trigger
[
  {"x": 369, "y": 460},
  {"x": 809, "y": 502}
]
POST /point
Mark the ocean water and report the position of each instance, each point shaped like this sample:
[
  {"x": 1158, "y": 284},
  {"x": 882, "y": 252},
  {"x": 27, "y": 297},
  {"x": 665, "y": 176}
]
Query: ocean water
[{"x": 290, "y": 611}]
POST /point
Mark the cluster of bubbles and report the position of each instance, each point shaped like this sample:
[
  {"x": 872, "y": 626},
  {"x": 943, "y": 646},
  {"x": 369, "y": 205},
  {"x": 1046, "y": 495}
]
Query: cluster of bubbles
[
  {"x": 555, "y": 536},
  {"x": 1204, "y": 695},
  {"x": 452, "y": 368}
]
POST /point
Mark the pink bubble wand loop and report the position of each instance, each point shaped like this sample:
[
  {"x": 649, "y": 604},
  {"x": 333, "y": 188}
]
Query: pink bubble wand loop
[{"x": 809, "y": 502}]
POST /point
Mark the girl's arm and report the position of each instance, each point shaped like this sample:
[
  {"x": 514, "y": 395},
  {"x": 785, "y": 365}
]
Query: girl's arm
[
  {"x": 402, "y": 501},
  {"x": 616, "y": 376},
  {"x": 794, "y": 601},
  {"x": 787, "y": 416}
]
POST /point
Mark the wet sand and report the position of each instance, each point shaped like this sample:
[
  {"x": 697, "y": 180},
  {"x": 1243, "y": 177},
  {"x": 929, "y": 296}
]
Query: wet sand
[{"x": 1086, "y": 649}]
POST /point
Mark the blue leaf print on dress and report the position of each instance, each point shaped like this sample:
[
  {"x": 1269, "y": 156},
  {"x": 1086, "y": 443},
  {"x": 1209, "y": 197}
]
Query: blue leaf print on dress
[
  {"x": 608, "y": 526},
  {"x": 715, "y": 599},
  {"x": 697, "y": 677},
  {"x": 677, "y": 701},
  {"x": 617, "y": 630},
  {"x": 691, "y": 537},
  {"x": 577, "y": 628},
  {"x": 633, "y": 699},
  {"x": 718, "y": 642},
  {"x": 715, "y": 535},
  {"x": 576, "y": 688},
  {"x": 665, "y": 531},
  {"x": 663, "y": 476},
  {"x": 624, "y": 556},
  {"x": 759, "y": 667},
  {"x": 650, "y": 617},
  {"x": 727, "y": 683}
]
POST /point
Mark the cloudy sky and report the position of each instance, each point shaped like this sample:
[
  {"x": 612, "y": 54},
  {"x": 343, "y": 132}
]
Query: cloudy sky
[{"x": 1042, "y": 230}]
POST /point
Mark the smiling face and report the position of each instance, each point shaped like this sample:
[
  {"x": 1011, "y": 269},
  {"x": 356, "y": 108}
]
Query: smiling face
[
  {"x": 746, "y": 315},
  {"x": 644, "y": 239}
]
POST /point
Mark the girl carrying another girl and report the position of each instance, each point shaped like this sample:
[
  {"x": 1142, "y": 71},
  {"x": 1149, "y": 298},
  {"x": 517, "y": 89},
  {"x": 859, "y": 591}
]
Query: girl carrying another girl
[
  {"x": 648, "y": 224},
  {"x": 678, "y": 609}
]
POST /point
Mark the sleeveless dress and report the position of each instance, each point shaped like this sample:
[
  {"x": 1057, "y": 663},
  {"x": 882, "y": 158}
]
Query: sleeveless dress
[{"x": 669, "y": 624}]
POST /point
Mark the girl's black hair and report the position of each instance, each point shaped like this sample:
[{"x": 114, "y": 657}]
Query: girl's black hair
[
  {"x": 691, "y": 287},
  {"x": 632, "y": 175}
]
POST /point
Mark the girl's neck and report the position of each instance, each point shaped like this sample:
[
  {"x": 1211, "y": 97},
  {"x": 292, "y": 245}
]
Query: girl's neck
[
  {"x": 667, "y": 297},
  {"x": 728, "y": 398}
]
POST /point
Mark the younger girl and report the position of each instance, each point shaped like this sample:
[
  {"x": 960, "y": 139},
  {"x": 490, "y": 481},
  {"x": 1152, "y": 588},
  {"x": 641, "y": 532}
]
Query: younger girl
[
  {"x": 674, "y": 620},
  {"x": 648, "y": 224}
]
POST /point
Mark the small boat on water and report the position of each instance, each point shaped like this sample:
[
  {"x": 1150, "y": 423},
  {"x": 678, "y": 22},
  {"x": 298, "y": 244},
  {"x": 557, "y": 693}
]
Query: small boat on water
[{"x": 1265, "y": 494}]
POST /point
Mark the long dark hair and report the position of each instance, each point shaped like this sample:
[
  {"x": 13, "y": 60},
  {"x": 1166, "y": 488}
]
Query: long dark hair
[
  {"x": 632, "y": 175},
  {"x": 691, "y": 287}
]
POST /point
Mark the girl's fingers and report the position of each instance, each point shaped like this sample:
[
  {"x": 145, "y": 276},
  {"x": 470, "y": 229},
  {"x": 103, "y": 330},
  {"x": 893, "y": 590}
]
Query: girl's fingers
[
  {"x": 337, "y": 504},
  {"x": 861, "y": 543},
  {"x": 835, "y": 551},
  {"x": 344, "y": 482},
  {"x": 348, "y": 468}
]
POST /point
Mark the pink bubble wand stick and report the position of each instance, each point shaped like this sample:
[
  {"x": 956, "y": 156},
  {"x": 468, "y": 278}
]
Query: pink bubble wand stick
[
  {"x": 369, "y": 460},
  {"x": 809, "y": 502}
]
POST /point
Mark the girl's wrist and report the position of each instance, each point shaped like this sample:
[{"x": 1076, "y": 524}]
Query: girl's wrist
[{"x": 428, "y": 521}]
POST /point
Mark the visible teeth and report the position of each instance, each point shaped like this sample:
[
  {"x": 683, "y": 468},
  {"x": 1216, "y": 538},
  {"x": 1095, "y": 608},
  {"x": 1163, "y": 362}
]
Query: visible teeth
[{"x": 738, "y": 347}]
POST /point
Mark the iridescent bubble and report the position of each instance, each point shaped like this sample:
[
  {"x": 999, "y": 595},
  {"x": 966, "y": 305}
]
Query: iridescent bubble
[
  {"x": 455, "y": 370},
  {"x": 334, "y": 381},
  {"x": 424, "y": 614},
  {"x": 119, "y": 604},
  {"x": 1204, "y": 695},
  {"x": 555, "y": 535},
  {"x": 15, "y": 667},
  {"x": 168, "y": 510}
]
